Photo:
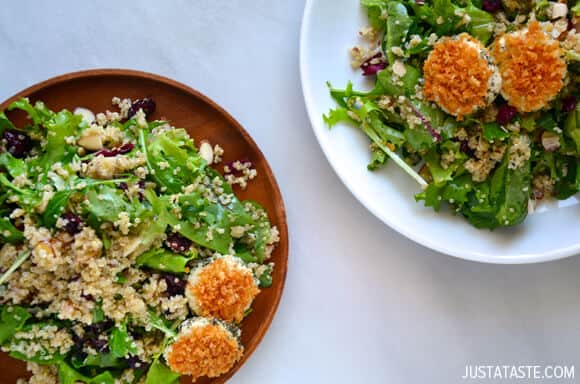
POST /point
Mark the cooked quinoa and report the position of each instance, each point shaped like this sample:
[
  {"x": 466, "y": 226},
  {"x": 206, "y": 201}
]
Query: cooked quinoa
[
  {"x": 476, "y": 101},
  {"x": 112, "y": 237}
]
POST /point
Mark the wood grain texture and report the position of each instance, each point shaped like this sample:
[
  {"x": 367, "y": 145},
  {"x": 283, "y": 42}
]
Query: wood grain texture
[{"x": 203, "y": 119}]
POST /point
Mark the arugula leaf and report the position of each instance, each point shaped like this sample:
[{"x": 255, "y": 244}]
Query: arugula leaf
[
  {"x": 9, "y": 233},
  {"x": 390, "y": 86},
  {"x": 55, "y": 207},
  {"x": 567, "y": 182},
  {"x": 106, "y": 203},
  {"x": 160, "y": 324},
  {"x": 377, "y": 12},
  {"x": 12, "y": 319},
  {"x": 419, "y": 139},
  {"x": 431, "y": 196},
  {"x": 493, "y": 131},
  {"x": 164, "y": 260},
  {"x": 457, "y": 191},
  {"x": 98, "y": 314},
  {"x": 62, "y": 125},
  {"x": 509, "y": 193},
  {"x": 336, "y": 116},
  {"x": 158, "y": 373},
  {"x": 481, "y": 23},
  {"x": 68, "y": 375},
  {"x": 440, "y": 175},
  {"x": 28, "y": 199},
  {"x": 398, "y": 23},
  {"x": 572, "y": 127},
  {"x": 378, "y": 158},
  {"x": 400, "y": 162},
  {"x": 5, "y": 123},
  {"x": 265, "y": 278},
  {"x": 38, "y": 113},
  {"x": 121, "y": 343},
  {"x": 387, "y": 133},
  {"x": 14, "y": 166},
  {"x": 174, "y": 149}
]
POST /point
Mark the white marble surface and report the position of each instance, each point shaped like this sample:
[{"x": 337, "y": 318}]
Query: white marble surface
[{"x": 362, "y": 304}]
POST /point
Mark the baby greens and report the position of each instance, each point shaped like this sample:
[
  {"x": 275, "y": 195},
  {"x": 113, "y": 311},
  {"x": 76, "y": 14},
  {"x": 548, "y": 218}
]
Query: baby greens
[{"x": 445, "y": 154}]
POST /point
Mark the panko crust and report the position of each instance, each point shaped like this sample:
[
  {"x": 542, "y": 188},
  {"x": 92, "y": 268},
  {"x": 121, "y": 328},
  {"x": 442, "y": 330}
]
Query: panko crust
[
  {"x": 222, "y": 289},
  {"x": 532, "y": 68},
  {"x": 458, "y": 74},
  {"x": 207, "y": 350}
]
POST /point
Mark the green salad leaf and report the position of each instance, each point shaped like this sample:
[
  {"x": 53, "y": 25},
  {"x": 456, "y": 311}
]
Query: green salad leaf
[
  {"x": 159, "y": 373},
  {"x": 165, "y": 261}
]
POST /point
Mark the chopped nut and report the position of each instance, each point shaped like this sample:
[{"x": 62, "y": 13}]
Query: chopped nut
[
  {"x": 206, "y": 151},
  {"x": 557, "y": 10},
  {"x": 550, "y": 141},
  {"x": 91, "y": 139},
  {"x": 86, "y": 114}
]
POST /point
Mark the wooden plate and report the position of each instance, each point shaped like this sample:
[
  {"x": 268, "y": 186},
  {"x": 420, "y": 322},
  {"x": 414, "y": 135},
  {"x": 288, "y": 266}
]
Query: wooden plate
[{"x": 203, "y": 119}]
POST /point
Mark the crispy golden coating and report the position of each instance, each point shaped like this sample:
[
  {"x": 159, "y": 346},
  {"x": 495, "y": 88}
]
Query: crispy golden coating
[
  {"x": 458, "y": 75},
  {"x": 206, "y": 349},
  {"x": 531, "y": 66},
  {"x": 222, "y": 289}
]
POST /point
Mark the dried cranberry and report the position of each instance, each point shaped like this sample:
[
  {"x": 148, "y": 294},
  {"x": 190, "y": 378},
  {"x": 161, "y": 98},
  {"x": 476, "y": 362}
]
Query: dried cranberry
[
  {"x": 146, "y": 104},
  {"x": 569, "y": 104},
  {"x": 101, "y": 345},
  {"x": 134, "y": 362},
  {"x": 88, "y": 297},
  {"x": 72, "y": 223},
  {"x": 123, "y": 186},
  {"x": 77, "y": 340},
  {"x": 178, "y": 243},
  {"x": 491, "y": 5},
  {"x": 373, "y": 65},
  {"x": 141, "y": 194},
  {"x": 505, "y": 114},
  {"x": 18, "y": 143},
  {"x": 106, "y": 153},
  {"x": 98, "y": 328},
  {"x": 175, "y": 285},
  {"x": 123, "y": 149}
]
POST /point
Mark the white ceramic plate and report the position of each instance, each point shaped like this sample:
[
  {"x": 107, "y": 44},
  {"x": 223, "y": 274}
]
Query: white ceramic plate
[{"x": 329, "y": 29}]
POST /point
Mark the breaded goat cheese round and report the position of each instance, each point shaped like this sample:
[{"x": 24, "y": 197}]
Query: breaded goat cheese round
[
  {"x": 531, "y": 66},
  {"x": 224, "y": 288},
  {"x": 204, "y": 347},
  {"x": 460, "y": 76}
]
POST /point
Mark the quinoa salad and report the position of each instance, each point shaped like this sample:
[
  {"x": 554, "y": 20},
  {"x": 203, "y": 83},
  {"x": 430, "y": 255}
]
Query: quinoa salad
[
  {"x": 476, "y": 100},
  {"x": 125, "y": 257}
]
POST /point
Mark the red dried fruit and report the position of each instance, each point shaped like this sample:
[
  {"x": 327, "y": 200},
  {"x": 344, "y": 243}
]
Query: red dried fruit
[
  {"x": 569, "y": 104},
  {"x": 505, "y": 114},
  {"x": 18, "y": 143},
  {"x": 147, "y": 105}
]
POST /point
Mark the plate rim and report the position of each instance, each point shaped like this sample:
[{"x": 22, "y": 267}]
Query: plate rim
[
  {"x": 316, "y": 121},
  {"x": 266, "y": 322}
]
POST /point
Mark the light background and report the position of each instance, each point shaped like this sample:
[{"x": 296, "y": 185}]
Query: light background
[{"x": 362, "y": 304}]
